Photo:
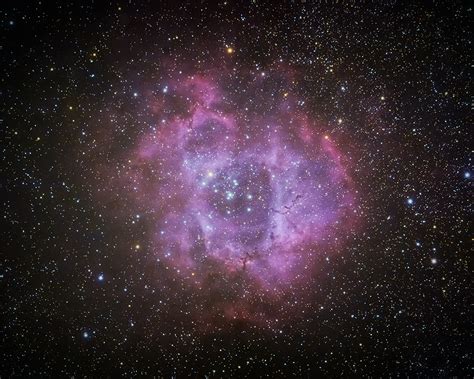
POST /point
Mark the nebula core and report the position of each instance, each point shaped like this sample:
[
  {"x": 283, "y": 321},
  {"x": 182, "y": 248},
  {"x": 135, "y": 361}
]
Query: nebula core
[{"x": 240, "y": 179}]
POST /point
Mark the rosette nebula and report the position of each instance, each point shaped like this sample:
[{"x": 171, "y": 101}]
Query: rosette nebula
[{"x": 241, "y": 181}]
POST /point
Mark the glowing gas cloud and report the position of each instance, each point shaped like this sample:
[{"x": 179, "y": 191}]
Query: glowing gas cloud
[{"x": 239, "y": 179}]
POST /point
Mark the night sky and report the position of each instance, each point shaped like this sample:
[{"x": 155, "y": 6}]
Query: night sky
[{"x": 253, "y": 189}]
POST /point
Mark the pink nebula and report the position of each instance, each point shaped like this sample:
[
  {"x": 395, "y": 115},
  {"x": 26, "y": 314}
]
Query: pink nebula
[{"x": 242, "y": 181}]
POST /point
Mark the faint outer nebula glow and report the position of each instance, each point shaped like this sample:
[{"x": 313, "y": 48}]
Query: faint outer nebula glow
[{"x": 245, "y": 185}]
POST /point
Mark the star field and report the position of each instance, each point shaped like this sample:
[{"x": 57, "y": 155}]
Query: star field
[{"x": 236, "y": 189}]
